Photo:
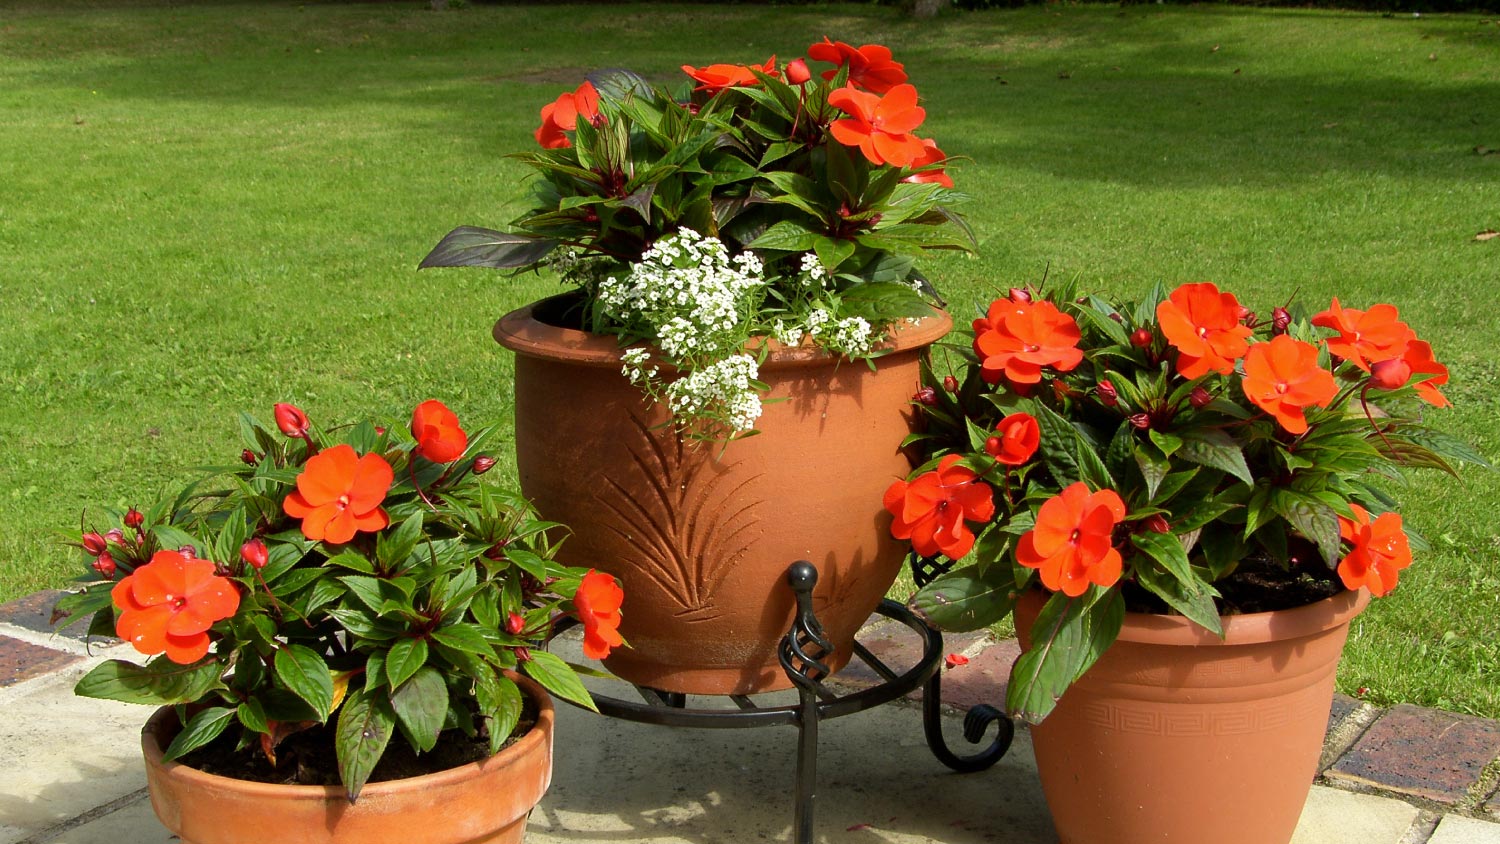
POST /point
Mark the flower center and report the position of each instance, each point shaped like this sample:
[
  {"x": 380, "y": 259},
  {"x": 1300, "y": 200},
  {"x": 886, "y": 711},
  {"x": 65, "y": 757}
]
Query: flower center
[
  {"x": 1281, "y": 387},
  {"x": 1076, "y": 535},
  {"x": 1202, "y": 331},
  {"x": 343, "y": 502}
]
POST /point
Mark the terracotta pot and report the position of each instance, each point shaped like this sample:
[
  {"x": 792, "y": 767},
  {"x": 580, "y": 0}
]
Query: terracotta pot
[
  {"x": 485, "y": 802},
  {"x": 701, "y": 534},
  {"x": 1177, "y": 737}
]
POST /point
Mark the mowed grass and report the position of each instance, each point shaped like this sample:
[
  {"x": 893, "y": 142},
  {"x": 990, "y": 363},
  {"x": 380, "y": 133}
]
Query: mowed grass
[{"x": 213, "y": 207}]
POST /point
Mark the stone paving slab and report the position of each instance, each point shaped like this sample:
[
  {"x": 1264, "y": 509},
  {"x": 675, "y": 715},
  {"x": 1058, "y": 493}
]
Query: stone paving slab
[
  {"x": 1343, "y": 705},
  {"x": 1454, "y": 829},
  {"x": 1342, "y": 817},
  {"x": 1426, "y": 753},
  {"x": 20, "y": 661}
]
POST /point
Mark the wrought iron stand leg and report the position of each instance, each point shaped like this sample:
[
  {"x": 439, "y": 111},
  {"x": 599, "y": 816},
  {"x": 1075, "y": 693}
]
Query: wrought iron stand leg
[
  {"x": 975, "y": 724},
  {"x": 801, "y": 654}
]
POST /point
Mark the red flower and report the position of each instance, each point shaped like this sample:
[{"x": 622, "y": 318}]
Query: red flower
[
  {"x": 930, "y": 155},
  {"x": 930, "y": 511},
  {"x": 439, "y": 438},
  {"x": 1072, "y": 542},
  {"x": 291, "y": 420},
  {"x": 1284, "y": 379},
  {"x": 880, "y": 126},
  {"x": 598, "y": 601},
  {"x": 1016, "y": 439},
  {"x": 339, "y": 493},
  {"x": 1365, "y": 337},
  {"x": 1380, "y": 551},
  {"x": 870, "y": 66},
  {"x": 1204, "y": 325},
  {"x": 562, "y": 115},
  {"x": 1016, "y": 339},
  {"x": 170, "y": 603},
  {"x": 1418, "y": 356},
  {"x": 955, "y": 660},
  {"x": 717, "y": 77}
]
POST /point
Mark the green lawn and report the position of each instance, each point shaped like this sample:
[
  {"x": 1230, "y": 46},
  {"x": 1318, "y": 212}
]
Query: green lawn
[{"x": 209, "y": 207}]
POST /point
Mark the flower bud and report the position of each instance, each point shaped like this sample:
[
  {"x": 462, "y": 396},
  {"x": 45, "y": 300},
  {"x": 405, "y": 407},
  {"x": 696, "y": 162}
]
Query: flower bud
[
  {"x": 926, "y": 395},
  {"x": 249, "y": 457},
  {"x": 523, "y": 654},
  {"x": 379, "y": 430},
  {"x": 993, "y": 445},
  {"x": 105, "y": 565},
  {"x": 1280, "y": 319},
  {"x": 94, "y": 544},
  {"x": 291, "y": 420},
  {"x": 1156, "y": 524},
  {"x": 255, "y": 554},
  {"x": 188, "y": 552},
  {"x": 134, "y": 519},
  {"x": 950, "y": 383},
  {"x": 797, "y": 72},
  {"x": 1140, "y": 420},
  {"x": 1390, "y": 374},
  {"x": 483, "y": 463},
  {"x": 1199, "y": 398},
  {"x": 1244, "y": 314},
  {"x": 1061, "y": 390},
  {"x": 515, "y": 623},
  {"x": 955, "y": 660},
  {"x": 1020, "y": 294},
  {"x": 1141, "y": 338},
  {"x": 1107, "y": 394},
  {"x": 115, "y": 535}
]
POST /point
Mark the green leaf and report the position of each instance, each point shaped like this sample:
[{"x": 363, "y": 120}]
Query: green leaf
[
  {"x": 1068, "y": 455},
  {"x": 468, "y": 638},
  {"x": 1168, "y": 443},
  {"x": 964, "y": 600},
  {"x": 253, "y": 716},
  {"x": 306, "y": 675},
  {"x": 785, "y": 236},
  {"x": 470, "y": 246},
  {"x": 364, "y": 729},
  {"x": 421, "y": 704},
  {"x": 161, "y": 682},
  {"x": 1314, "y": 519},
  {"x": 1067, "y": 638},
  {"x": 405, "y": 657},
  {"x": 1153, "y": 468},
  {"x": 1196, "y": 604},
  {"x": 202, "y": 729},
  {"x": 351, "y": 560},
  {"x": 500, "y": 703},
  {"x": 393, "y": 547},
  {"x": 1214, "y": 448},
  {"x": 1167, "y": 551},
  {"x": 557, "y": 678}
]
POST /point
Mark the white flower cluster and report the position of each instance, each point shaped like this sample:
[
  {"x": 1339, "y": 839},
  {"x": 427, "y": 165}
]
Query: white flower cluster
[
  {"x": 813, "y": 272},
  {"x": 635, "y": 368},
  {"x": 850, "y": 336},
  {"x": 722, "y": 389}
]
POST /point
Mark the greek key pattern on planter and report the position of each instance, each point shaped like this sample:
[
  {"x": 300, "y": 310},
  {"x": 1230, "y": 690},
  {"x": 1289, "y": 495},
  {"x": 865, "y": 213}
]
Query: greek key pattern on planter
[
  {"x": 678, "y": 516},
  {"x": 1163, "y": 720}
]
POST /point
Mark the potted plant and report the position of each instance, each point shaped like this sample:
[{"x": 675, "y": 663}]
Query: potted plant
[
  {"x": 742, "y": 247},
  {"x": 341, "y": 631},
  {"x": 1185, "y": 504}
]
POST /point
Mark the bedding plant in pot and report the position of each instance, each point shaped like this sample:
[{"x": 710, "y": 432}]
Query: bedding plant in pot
[
  {"x": 744, "y": 254},
  {"x": 342, "y": 631},
  {"x": 1184, "y": 504}
]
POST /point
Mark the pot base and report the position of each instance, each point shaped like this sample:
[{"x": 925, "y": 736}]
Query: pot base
[{"x": 712, "y": 679}]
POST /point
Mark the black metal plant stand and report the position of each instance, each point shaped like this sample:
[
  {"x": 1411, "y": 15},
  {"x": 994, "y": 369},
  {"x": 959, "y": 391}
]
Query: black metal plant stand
[{"x": 801, "y": 654}]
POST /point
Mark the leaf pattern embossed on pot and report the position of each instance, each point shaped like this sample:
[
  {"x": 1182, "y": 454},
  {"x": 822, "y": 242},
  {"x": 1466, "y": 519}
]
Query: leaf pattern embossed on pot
[{"x": 678, "y": 514}]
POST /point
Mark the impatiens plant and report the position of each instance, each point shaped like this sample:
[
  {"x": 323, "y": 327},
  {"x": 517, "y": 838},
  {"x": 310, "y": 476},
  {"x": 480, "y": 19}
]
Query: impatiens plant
[
  {"x": 1176, "y": 455},
  {"x": 749, "y": 201},
  {"x": 360, "y": 579}
]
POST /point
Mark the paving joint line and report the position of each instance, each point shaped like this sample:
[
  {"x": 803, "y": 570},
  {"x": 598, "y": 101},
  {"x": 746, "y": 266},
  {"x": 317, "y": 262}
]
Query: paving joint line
[
  {"x": 1422, "y": 827},
  {"x": 1346, "y": 733},
  {"x": 1482, "y": 788},
  {"x": 91, "y": 815}
]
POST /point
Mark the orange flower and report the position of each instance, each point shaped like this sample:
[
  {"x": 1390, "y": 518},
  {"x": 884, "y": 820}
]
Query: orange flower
[
  {"x": 1418, "y": 356},
  {"x": 880, "y": 126},
  {"x": 1016, "y": 439},
  {"x": 562, "y": 116},
  {"x": 1072, "y": 543},
  {"x": 339, "y": 493},
  {"x": 930, "y": 511},
  {"x": 1204, "y": 325},
  {"x": 870, "y": 66},
  {"x": 598, "y": 601},
  {"x": 1284, "y": 379},
  {"x": 439, "y": 438},
  {"x": 717, "y": 77},
  {"x": 1380, "y": 551},
  {"x": 1016, "y": 339},
  {"x": 170, "y": 603},
  {"x": 930, "y": 155},
  {"x": 1365, "y": 337}
]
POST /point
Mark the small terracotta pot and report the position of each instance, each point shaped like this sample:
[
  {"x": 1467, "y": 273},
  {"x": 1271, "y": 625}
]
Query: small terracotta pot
[
  {"x": 1177, "y": 737},
  {"x": 484, "y": 802},
  {"x": 701, "y": 534}
]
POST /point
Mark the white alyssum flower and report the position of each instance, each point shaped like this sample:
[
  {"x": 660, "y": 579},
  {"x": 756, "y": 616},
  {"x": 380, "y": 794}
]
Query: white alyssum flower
[{"x": 724, "y": 385}]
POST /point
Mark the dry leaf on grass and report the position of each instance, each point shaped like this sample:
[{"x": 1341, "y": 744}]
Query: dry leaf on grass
[{"x": 1487, "y": 234}]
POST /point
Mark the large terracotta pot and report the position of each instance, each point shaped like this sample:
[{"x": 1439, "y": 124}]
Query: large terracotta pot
[
  {"x": 701, "y": 534},
  {"x": 1177, "y": 737},
  {"x": 485, "y": 802}
]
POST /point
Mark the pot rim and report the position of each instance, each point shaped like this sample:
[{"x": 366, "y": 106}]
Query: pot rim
[
  {"x": 161, "y": 721},
  {"x": 523, "y": 334},
  {"x": 1244, "y": 629}
]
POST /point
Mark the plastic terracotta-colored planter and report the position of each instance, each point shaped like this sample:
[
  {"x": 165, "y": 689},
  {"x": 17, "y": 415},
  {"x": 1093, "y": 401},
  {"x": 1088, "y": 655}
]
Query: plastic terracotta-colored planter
[
  {"x": 1177, "y": 737},
  {"x": 485, "y": 802},
  {"x": 701, "y": 534}
]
